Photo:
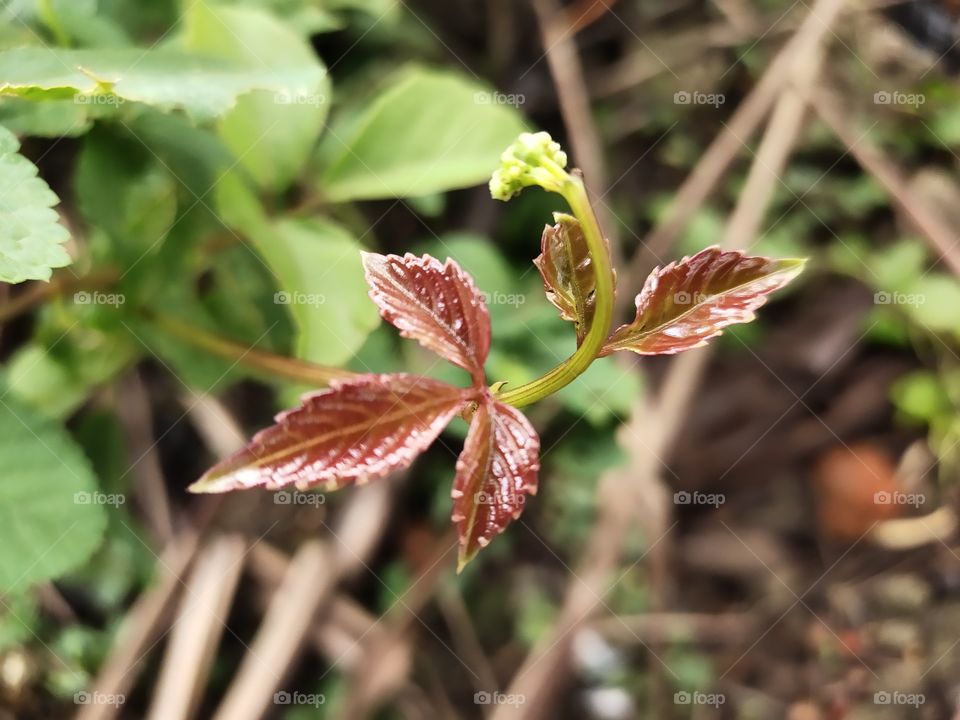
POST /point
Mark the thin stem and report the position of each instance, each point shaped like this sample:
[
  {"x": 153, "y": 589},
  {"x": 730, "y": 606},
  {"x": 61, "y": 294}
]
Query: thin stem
[
  {"x": 268, "y": 363},
  {"x": 575, "y": 365}
]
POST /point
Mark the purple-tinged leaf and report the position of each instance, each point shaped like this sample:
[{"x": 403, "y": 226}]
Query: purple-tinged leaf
[
  {"x": 435, "y": 303},
  {"x": 567, "y": 271},
  {"x": 355, "y": 431},
  {"x": 688, "y": 302},
  {"x": 495, "y": 472}
]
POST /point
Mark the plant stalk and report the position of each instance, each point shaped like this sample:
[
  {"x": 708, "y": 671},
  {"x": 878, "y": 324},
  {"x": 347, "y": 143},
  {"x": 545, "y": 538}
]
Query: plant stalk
[
  {"x": 267, "y": 363},
  {"x": 566, "y": 372}
]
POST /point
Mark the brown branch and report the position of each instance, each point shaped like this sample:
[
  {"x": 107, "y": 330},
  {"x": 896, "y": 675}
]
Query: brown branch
[
  {"x": 585, "y": 13},
  {"x": 306, "y": 586},
  {"x": 726, "y": 146},
  {"x": 938, "y": 234},
  {"x": 197, "y": 629}
]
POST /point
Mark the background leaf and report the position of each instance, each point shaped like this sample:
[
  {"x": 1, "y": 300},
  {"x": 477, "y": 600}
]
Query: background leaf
[
  {"x": 202, "y": 86},
  {"x": 49, "y": 523},
  {"x": 316, "y": 264},
  {"x": 270, "y": 133},
  {"x": 452, "y": 138},
  {"x": 31, "y": 237}
]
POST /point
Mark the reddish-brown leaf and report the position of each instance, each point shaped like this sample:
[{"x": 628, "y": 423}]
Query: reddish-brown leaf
[
  {"x": 688, "y": 302},
  {"x": 357, "y": 430},
  {"x": 435, "y": 303},
  {"x": 567, "y": 271},
  {"x": 495, "y": 472}
]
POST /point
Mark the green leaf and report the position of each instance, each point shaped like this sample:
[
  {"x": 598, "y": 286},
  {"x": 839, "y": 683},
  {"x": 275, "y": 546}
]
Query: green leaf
[
  {"x": 31, "y": 238},
  {"x": 50, "y": 521},
  {"x": 271, "y": 134},
  {"x": 18, "y": 620},
  {"x": 204, "y": 87},
  {"x": 319, "y": 275},
  {"x": 125, "y": 190},
  {"x": 307, "y": 17},
  {"x": 54, "y": 118},
  {"x": 933, "y": 301},
  {"x": 56, "y": 381},
  {"x": 318, "y": 263},
  {"x": 430, "y": 131}
]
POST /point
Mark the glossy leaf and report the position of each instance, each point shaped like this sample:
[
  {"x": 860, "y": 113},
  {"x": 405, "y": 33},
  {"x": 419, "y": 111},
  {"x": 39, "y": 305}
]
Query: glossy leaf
[
  {"x": 435, "y": 303},
  {"x": 316, "y": 265},
  {"x": 453, "y": 134},
  {"x": 204, "y": 87},
  {"x": 567, "y": 271},
  {"x": 495, "y": 472},
  {"x": 52, "y": 516},
  {"x": 270, "y": 133},
  {"x": 688, "y": 302},
  {"x": 31, "y": 236},
  {"x": 357, "y": 430}
]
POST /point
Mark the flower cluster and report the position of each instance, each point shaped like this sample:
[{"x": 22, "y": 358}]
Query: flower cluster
[{"x": 533, "y": 159}]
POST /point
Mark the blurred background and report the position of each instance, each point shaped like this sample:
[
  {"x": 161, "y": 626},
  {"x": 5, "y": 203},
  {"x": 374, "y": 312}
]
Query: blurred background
[{"x": 765, "y": 528}]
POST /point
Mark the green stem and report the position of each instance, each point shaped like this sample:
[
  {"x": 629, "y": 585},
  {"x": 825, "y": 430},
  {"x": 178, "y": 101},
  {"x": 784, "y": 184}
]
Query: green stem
[
  {"x": 566, "y": 372},
  {"x": 267, "y": 363},
  {"x": 48, "y": 15}
]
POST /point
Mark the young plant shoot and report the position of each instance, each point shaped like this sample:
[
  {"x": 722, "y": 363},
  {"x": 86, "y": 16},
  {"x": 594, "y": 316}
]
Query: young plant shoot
[{"x": 365, "y": 427}]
